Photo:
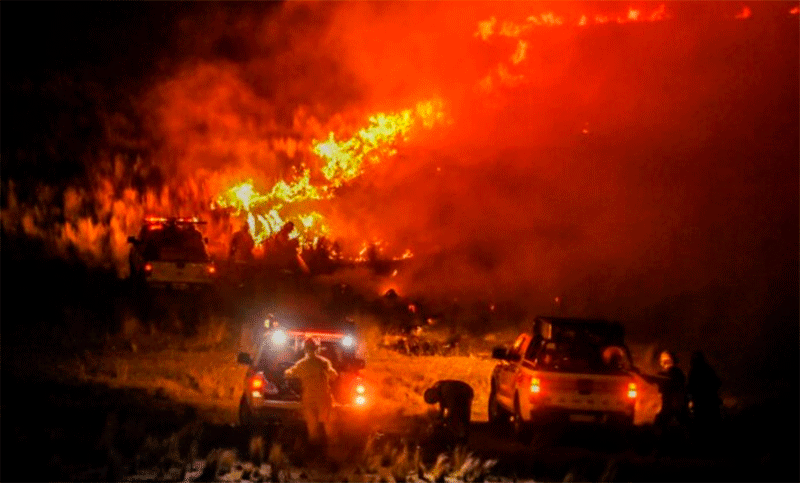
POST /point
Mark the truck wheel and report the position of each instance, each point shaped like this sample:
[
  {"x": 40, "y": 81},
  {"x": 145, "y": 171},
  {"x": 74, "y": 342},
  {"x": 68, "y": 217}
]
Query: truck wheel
[
  {"x": 497, "y": 415},
  {"x": 245, "y": 414},
  {"x": 522, "y": 430}
]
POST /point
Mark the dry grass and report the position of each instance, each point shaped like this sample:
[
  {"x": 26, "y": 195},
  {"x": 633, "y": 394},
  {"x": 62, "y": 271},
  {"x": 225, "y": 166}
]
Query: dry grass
[
  {"x": 202, "y": 370},
  {"x": 400, "y": 381}
]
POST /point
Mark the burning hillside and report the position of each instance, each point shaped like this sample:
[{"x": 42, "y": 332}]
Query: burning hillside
[{"x": 600, "y": 152}]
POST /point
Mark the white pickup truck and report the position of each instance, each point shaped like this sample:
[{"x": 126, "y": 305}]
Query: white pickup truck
[
  {"x": 564, "y": 370},
  {"x": 170, "y": 253}
]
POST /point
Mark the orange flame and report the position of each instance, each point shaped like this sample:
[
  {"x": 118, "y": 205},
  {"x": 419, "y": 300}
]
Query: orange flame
[
  {"x": 744, "y": 14},
  {"x": 263, "y": 211},
  {"x": 373, "y": 143},
  {"x": 520, "y": 53},
  {"x": 488, "y": 28},
  {"x": 267, "y": 213},
  {"x": 502, "y": 74}
]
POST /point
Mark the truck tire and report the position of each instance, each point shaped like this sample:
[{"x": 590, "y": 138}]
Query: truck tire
[
  {"x": 523, "y": 431},
  {"x": 497, "y": 414},
  {"x": 245, "y": 414}
]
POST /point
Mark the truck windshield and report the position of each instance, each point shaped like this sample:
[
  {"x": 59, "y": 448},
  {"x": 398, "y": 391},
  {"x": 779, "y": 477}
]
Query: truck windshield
[
  {"x": 580, "y": 357},
  {"x": 182, "y": 245},
  {"x": 274, "y": 358}
]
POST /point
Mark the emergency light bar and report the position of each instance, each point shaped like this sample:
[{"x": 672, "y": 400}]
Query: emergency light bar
[
  {"x": 279, "y": 337},
  {"x": 161, "y": 220},
  {"x": 316, "y": 335}
]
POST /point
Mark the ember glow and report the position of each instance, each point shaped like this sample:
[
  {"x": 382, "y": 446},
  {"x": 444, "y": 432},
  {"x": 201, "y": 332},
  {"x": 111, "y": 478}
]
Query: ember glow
[
  {"x": 492, "y": 27},
  {"x": 744, "y": 14}
]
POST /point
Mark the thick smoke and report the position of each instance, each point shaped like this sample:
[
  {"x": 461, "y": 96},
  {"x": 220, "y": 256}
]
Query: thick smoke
[{"x": 646, "y": 172}]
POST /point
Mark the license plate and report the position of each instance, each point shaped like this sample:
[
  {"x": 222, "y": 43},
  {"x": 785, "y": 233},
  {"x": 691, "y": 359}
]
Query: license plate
[
  {"x": 180, "y": 286},
  {"x": 582, "y": 418},
  {"x": 585, "y": 386}
]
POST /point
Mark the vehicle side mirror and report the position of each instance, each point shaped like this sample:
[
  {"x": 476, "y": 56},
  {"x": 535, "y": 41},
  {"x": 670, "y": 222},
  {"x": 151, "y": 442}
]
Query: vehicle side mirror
[
  {"x": 244, "y": 358},
  {"x": 500, "y": 353},
  {"x": 132, "y": 239}
]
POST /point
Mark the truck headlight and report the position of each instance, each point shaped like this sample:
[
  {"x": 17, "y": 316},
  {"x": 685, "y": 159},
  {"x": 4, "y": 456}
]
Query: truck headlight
[
  {"x": 348, "y": 341},
  {"x": 279, "y": 337}
]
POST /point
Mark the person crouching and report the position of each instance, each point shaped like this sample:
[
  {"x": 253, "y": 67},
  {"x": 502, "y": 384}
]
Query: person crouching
[{"x": 455, "y": 407}]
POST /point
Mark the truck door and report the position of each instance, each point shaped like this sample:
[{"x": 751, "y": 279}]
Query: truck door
[{"x": 510, "y": 369}]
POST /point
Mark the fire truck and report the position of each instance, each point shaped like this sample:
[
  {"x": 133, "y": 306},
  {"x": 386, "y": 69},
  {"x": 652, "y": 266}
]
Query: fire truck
[
  {"x": 170, "y": 253},
  {"x": 271, "y": 398},
  {"x": 564, "y": 370}
]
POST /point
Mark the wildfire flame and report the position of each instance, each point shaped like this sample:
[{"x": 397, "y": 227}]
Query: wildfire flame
[
  {"x": 117, "y": 209},
  {"x": 263, "y": 211},
  {"x": 374, "y": 142},
  {"x": 503, "y": 75},
  {"x": 488, "y": 28},
  {"x": 744, "y": 14},
  {"x": 344, "y": 161}
]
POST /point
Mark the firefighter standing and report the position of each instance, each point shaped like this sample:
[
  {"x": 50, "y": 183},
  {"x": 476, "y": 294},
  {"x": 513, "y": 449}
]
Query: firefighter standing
[
  {"x": 315, "y": 373},
  {"x": 242, "y": 245},
  {"x": 455, "y": 406}
]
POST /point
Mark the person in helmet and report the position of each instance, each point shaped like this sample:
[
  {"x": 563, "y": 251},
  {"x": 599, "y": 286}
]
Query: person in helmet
[{"x": 315, "y": 374}]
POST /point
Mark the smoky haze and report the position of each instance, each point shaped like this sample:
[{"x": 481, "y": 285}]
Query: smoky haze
[
  {"x": 675, "y": 211},
  {"x": 646, "y": 171}
]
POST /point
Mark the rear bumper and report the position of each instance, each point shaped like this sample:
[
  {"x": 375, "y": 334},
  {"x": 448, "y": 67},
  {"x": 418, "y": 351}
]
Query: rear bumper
[
  {"x": 276, "y": 410},
  {"x": 286, "y": 411},
  {"x": 179, "y": 286},
  {"x": 572, "y": 416}
]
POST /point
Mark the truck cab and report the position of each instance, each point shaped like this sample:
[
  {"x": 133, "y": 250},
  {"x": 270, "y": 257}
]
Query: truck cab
[
  {"x": 567, "y": 370},
  {"x": 170, "y": 253}
]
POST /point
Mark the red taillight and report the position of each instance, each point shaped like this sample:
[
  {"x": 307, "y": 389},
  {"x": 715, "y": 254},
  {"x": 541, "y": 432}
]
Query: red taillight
[
  {"x": 632, "y": 390},
  {"x": 211, "y": 269},
  {"x": 258, "y": 385},
  {"x": 148, "y": 267}
]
